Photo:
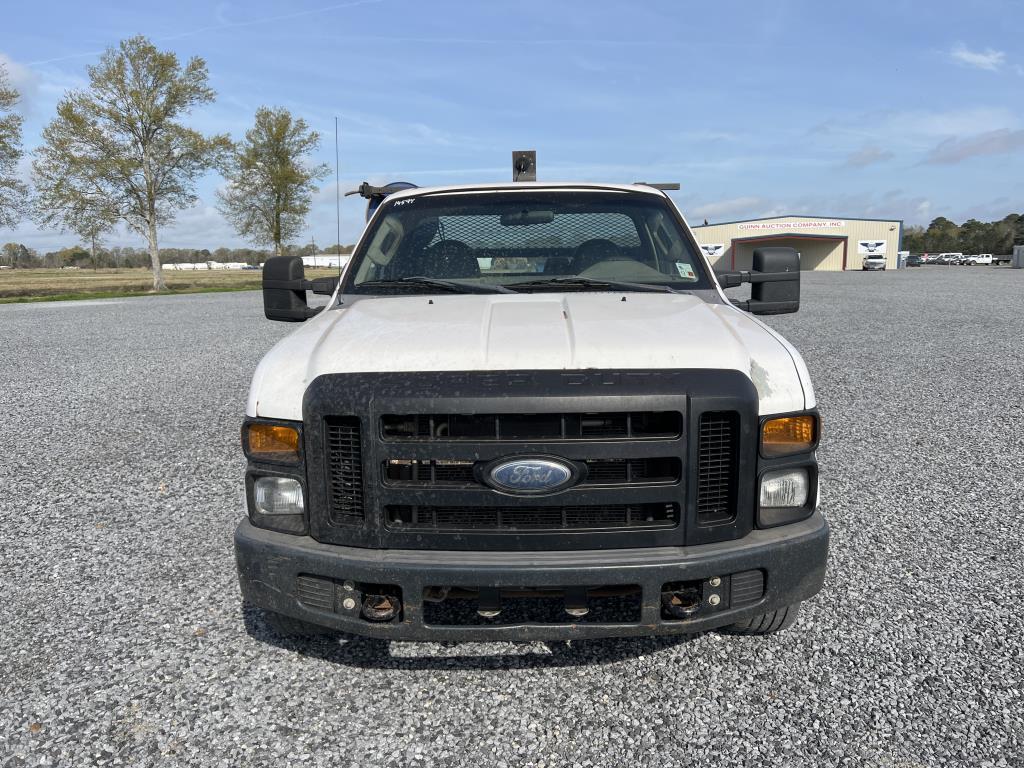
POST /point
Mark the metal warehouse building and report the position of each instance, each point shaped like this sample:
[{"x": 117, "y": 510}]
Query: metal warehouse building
[{"x": 824, "y": 242}]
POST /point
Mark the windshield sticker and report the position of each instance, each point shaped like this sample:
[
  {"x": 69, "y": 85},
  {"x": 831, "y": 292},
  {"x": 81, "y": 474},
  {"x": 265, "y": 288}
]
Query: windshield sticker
[{"x": 685, "y": 270}]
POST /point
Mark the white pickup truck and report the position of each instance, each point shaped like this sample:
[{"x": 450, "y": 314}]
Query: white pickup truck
[
  {"x": 529, "y": 411},
  {"x": 979, "y": 258}
]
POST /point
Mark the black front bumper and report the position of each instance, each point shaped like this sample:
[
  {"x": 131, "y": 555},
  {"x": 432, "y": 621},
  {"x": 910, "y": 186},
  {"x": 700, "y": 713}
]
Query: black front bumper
[{"x": 792, "y": 559}]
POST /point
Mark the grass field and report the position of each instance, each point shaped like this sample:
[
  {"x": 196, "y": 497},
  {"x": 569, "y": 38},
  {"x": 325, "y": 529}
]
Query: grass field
[{"x": 19, "y": 285}]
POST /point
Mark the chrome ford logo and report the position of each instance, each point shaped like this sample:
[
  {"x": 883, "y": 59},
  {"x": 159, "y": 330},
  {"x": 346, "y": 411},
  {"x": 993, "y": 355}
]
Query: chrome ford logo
[{"x": 529, "y": 475}]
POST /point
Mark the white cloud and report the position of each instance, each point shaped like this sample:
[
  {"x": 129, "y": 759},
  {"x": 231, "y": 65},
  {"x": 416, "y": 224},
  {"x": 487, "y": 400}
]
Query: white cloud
[
  {"x": 988, "y": 59},
  {"x": 867, "y": 156},
  {"x": 735, "y": 206},
  {"x": 24, "y": 80},
  {"x": 955, "y": 150}
]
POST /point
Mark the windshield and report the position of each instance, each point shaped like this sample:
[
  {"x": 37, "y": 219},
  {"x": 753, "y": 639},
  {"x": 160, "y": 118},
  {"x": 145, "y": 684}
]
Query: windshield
[{"x": 524, "y": 241}]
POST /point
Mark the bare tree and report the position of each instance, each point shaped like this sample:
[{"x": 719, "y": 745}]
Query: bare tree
[
  {"x": 115, "y": 150},
  {"x": 270, "y": 184}
]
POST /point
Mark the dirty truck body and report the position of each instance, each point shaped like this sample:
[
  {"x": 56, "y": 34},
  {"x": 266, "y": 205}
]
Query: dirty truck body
[{"x": 529, "y": 411}]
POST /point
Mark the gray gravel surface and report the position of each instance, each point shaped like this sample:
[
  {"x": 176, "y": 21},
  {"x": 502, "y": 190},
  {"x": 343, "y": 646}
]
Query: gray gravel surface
[{"x": 122, "y": 639}]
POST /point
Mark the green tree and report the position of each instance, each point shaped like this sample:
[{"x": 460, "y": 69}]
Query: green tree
[
  {"x": 12, "y": 190},
  {"x": 270, "y": 183},
  {"x": 942, "y": 236},
  {"x": 914, "y": 239},
  {"x": 973, "y": 236},
  {"x": 1018, "y": 229},
  {"x": 17, "y": 255},
  {"x": 117, "y": 148}
]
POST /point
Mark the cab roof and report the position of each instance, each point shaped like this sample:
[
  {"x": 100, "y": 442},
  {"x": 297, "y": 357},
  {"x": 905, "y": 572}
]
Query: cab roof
[{"x": 513, "y": 186}]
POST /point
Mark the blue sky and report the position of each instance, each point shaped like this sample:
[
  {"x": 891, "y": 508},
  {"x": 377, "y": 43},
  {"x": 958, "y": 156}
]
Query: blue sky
[{"x": 897, "y": 109}]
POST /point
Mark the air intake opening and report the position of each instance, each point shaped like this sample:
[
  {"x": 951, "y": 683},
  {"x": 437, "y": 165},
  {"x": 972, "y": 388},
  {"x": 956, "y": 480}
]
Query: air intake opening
[
  {"x": 717, "y": 467},
  {"x": 345, "y": 470}
]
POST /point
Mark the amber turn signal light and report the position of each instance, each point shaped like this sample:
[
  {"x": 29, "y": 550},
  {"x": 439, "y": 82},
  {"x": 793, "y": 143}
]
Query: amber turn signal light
[
  {"x": 788, "y": 435},
  {"x": 272, "y": 442}
]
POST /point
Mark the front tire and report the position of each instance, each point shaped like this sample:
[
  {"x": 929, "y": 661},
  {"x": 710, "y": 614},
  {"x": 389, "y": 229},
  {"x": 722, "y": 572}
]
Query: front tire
[{"x": 766, "y": 623}]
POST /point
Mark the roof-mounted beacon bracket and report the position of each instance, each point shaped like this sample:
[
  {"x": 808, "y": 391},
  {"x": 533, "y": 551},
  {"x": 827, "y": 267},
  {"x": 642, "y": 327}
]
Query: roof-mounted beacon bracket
[
  {"x": 665, "y": 186},
  {"x": 524, "y": 165},
  {"x": 375, "y": 195}
]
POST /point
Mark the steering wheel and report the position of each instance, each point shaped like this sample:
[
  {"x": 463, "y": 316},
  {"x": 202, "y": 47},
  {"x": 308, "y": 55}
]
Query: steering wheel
[{"x": 595, "y": 251}]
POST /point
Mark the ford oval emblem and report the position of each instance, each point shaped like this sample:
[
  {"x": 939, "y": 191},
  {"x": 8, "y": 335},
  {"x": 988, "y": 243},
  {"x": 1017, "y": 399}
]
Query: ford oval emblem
[{"x": 527, "y": 475}]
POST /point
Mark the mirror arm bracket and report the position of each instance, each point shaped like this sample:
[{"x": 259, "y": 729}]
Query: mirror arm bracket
[{"x": 324, "y": 285}]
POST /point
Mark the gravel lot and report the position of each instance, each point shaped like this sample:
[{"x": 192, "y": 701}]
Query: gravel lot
[{"x": 122, "y": 639}]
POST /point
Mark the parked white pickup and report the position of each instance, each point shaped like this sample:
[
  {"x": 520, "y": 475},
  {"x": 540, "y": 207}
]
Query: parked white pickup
[{"x": 980, "y": 258}]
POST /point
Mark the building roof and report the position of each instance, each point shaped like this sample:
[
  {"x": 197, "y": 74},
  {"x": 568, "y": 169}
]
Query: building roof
[{"x": 799, "y": 216}]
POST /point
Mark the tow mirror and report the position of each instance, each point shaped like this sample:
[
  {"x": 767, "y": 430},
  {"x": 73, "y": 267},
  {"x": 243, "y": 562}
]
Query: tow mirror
[
  {"x": 774, "y": 282},
  {"x": 285, "y": 286}
]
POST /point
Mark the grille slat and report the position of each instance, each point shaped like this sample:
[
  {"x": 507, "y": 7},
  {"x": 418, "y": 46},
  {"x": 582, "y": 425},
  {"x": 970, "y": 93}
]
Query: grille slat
[
  {"x": 426, "y": 473},
  {"x": 345, "y": 464},
  {"x": 533, "y": 426},
  {"x": 717, "y": 465},
  {"x": 533, "y": 518}
]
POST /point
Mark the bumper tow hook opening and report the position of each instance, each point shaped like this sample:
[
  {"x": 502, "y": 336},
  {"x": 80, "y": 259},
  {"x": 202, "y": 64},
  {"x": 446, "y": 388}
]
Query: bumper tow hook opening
[
  {"x": 489, "y": 603},
  {"x": 681, "y": 603},
  {"x": 576, "y": 602},
  {"x": 380, "y": 607}
]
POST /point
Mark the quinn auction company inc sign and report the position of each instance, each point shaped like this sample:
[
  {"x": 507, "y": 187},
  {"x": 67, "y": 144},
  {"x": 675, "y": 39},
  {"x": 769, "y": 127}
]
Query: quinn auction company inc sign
[{"x": 770, "y": 225}]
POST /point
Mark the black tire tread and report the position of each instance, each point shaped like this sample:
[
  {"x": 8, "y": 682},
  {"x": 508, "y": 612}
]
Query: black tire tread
[{"x": 766, "y": 623}]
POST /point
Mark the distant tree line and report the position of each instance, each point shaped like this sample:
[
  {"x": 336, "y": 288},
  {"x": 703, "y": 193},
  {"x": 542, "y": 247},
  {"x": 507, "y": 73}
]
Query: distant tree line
[
  {"x": 973, "y": 236},
  {"x": 118, "y": 151},
  {"x": 19, "y": 256}
]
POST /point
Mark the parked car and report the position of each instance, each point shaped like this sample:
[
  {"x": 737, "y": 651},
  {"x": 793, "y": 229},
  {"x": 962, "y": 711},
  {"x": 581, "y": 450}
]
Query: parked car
[
  {"x": 873, "y": 262},
  {"x": 914, "y": 261},
  {"x": 981, "y": 258}
]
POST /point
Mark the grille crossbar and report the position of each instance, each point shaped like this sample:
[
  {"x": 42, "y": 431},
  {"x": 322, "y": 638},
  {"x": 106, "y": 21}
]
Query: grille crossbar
[
  {"x": 533, "y": 518},
  {"x": 532, "y": 426}
]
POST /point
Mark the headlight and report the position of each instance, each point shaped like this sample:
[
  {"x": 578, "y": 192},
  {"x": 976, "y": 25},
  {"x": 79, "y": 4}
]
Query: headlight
[
  {"x": 784, "y": 488},
  {"x": 278, "y": 496},
  {"x": 274, "y": 443},
  {"x": 787, "y": 435},
  {"x": 783, "y": 497}
]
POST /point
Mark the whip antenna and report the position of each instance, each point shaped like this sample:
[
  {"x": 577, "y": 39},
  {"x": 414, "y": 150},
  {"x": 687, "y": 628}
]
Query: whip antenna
[{"x": 337, "y": 192}]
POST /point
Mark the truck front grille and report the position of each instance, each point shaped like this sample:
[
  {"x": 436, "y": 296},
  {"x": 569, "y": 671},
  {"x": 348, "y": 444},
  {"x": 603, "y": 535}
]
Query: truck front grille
[
  {"x": 396, "y": 460},
  {"x": 533, "y": 518}
]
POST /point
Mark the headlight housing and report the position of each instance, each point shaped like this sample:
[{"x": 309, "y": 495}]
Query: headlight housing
[
  {"x": 278, "y": 503},
  {"x": 788, "y": 435},
  {"x": 784, "y": 496},
  {"x": 274, "y": 443},
  {"x": 278, "y": 496}
]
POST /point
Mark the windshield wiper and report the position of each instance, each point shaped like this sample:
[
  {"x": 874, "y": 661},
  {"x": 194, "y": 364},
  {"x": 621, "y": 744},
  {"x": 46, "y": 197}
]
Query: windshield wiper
[
  {"x": 589, "y": 282},
  {"x": 452, "y": 286}
]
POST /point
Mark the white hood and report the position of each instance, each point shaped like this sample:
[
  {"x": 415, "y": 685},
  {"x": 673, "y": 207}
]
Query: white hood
[{"x": 529, "y": 331}]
